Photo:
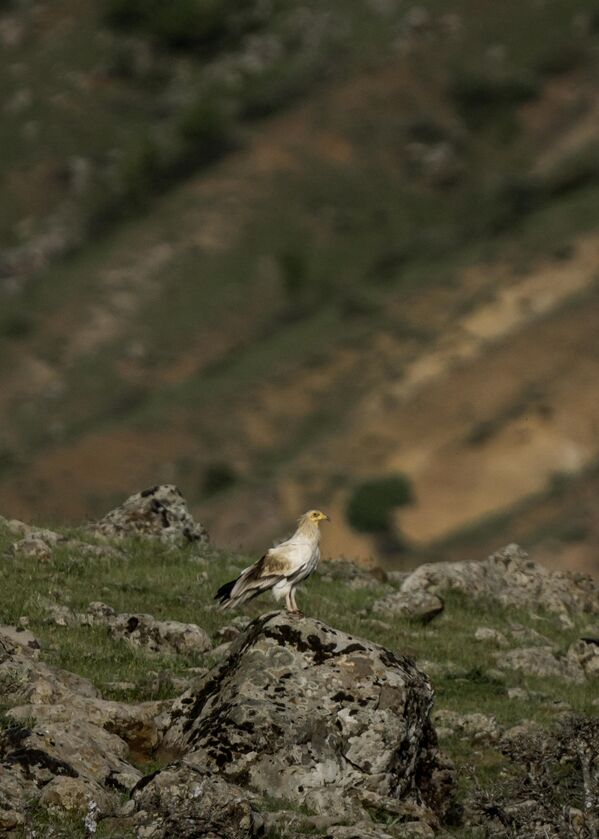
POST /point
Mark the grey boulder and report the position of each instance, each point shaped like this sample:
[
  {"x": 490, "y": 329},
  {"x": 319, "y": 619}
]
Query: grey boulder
[
  {"x": 141, "y": 630},
  {"x": 511, "y": 579},
  {"x": 306, "y": 713},
  {"x": 159, "y": 512}
]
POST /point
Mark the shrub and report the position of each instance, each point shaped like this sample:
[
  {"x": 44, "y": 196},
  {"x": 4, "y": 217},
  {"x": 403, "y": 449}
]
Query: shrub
[
  {"x": 551, "y": 788},
  {"x": 218, "y": 477},
  {"x": 479, "y": 98},
  {"x": 372, "y": 503},
  {"x": 183, "y": 24},
  {"x": 17, "y": 326},
  {"x": 206, "y": 127}
]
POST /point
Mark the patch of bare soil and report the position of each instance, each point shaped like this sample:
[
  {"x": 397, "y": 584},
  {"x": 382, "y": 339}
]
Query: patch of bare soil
[{"x": 483, "y": 418}]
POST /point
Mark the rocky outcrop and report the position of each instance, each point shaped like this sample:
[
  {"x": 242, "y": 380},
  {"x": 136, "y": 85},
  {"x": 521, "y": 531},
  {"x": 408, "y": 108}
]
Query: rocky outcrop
[
  {"x": 297, "y": 711},
  {"x": 39, "y": 543},
  {"x": 160, "y": 513},
  {"x": 61, "y": 744},
  {"x": 302, "y": 712},
  {"x": 138, "y": 629},
  {"x": 511, "y": 579},
  {"x": 145, "y": 631}
]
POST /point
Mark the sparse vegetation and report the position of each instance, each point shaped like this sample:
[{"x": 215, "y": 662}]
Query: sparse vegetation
[{"x": 218, "y": 476}]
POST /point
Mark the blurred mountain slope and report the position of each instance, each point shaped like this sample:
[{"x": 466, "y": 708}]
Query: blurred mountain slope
[{"x": 396, "y": 272}]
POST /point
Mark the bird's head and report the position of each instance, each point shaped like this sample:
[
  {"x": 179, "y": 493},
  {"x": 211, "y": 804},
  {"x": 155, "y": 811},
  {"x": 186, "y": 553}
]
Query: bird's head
[{"x": 315, "y": 516}]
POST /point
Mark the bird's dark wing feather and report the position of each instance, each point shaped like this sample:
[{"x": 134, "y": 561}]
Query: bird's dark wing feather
[{"x": 259, "y": 577}]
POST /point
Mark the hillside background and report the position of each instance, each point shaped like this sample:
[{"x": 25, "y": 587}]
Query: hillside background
[{"x": 274, "y": 251}]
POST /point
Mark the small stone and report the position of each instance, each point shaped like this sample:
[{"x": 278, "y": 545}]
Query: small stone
[
  {"x": 121, "y": 686},
  {"x": 527, "y": 635},
  {"x": 71, "y": 794},
  {"x": 11, "y": 820},
  {"x": 495, "y": 675},
  {"x": 526, "y": 728},
  {"x": 415, "y": 605},
  {"x": 584, "y": 653},
  {"x": 22, "y": 638},
  {"x": 492, "y": 636},
  {"x": 228, "y": 633},
  {"x": 518, "y": 694},
  {"x": 476, "y": 727},
  {"x": 540, "y": 661},
  {"x": 32, "y": 547}
]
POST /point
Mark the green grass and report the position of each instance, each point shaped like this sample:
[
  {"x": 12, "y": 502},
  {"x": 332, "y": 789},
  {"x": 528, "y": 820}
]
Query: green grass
[{"x": 179, "y": 585}]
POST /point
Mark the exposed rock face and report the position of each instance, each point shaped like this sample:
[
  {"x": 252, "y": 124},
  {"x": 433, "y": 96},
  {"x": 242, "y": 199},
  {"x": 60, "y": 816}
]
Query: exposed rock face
[
  {"x": 511, "y": 579},
  {"x": 304, "y": 712},
  {"x": 159, "y": 512}
]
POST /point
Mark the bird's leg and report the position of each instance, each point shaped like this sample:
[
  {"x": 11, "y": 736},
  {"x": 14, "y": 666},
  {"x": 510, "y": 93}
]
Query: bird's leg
[
  {"x": 294, "y": 603},
  {"x": 288, "y": 603}
]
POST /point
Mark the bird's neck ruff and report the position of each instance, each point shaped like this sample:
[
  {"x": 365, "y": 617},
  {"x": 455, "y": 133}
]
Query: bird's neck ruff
[{"x": 307, "y": 529}]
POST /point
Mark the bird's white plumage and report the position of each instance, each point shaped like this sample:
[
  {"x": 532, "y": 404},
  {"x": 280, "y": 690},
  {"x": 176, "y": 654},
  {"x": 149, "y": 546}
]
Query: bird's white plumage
[{"x": 281, "y": 568}]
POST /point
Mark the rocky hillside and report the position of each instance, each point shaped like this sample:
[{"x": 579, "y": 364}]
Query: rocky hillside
[
  {"x": 457, "y": 700},
  {"x": 272, "y": 254}
]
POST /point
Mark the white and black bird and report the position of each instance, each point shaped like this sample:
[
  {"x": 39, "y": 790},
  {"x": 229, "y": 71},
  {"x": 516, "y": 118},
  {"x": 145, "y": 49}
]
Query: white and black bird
[{"x": 281, "y": 568}]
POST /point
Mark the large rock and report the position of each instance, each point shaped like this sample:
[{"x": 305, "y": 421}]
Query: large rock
[
  {"x": 160, "y": 513},
  {"x": 306, "y": 713},
  {"x": 511, "y": 579},
  {"x": 141, "y": 630},
  {"x": 61, "y": 744}
]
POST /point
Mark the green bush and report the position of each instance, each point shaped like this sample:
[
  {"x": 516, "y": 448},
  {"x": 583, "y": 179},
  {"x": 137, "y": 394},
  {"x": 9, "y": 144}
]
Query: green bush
[
  {"x": 183, "y": 24},
  {"x": 372, "y": 503},
  {"x": 19, "y": 325},
  {"x": 207, "y": 128},
  {"x": 480, "y": 97},
  {"x": 218, "y": 477}
]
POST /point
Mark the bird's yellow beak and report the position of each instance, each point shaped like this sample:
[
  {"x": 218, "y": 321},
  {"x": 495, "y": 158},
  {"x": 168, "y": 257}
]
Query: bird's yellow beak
[{"x": 324, "y": 517}]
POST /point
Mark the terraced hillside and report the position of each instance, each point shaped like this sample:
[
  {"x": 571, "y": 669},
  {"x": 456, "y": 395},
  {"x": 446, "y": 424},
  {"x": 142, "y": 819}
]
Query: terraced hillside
[{"x": 316, "y": 249}]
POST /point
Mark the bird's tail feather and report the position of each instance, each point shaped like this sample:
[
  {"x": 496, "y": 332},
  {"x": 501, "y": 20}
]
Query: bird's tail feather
[
  {"x": 252, "y": 589},
  {"x": 224, "y": 593}
]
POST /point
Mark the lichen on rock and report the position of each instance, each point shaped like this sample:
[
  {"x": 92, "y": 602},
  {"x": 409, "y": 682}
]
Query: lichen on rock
[
  {"x": 159, "y": 512},
  {"x": 510, "y": 578},
  {"x": 306, "y": 713}
]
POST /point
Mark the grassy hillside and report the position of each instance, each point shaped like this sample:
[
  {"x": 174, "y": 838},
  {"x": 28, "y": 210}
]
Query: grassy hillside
[
  {"x": 305, "y": 245},
  {"x": 179, "y": 584}
]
